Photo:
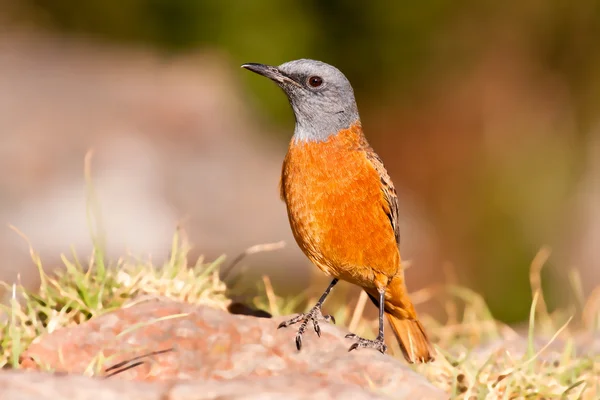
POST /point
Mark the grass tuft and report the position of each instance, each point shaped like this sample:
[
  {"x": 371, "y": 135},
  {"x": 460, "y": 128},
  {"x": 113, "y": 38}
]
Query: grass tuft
[
  {"x": 483, "y": 359},
  {"x": 76, "y": 293}
]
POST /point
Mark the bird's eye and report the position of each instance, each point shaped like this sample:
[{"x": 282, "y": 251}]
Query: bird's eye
[{"x": 315, "y": 81}]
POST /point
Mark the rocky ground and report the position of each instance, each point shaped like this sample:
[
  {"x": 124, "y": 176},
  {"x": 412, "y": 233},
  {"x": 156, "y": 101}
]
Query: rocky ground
[{"x": 161, "y": 349}]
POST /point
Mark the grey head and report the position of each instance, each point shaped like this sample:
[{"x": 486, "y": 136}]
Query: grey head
[{"x": 321, "y": 96}]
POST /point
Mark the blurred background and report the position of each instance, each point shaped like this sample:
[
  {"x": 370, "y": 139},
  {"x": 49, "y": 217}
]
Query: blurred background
[{"x": 485, "y": 113}]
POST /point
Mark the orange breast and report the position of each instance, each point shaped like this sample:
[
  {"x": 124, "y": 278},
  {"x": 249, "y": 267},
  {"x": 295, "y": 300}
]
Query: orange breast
[{"x": 336, "y": 208}]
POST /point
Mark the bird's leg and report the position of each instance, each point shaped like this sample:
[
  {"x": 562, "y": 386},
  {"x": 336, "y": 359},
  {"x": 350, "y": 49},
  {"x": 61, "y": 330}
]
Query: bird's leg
[
  {"x": 378, "y": 343},
  {"x": 315, "y": 315}
]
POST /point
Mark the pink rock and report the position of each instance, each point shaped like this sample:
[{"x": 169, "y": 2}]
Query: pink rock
[{"x": 171, "y": 341}]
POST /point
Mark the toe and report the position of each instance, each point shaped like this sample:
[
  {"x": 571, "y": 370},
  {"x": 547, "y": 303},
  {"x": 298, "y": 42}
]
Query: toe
[
  {"x": 329, "y": 318},
  {"x": 317, "y": 328}
]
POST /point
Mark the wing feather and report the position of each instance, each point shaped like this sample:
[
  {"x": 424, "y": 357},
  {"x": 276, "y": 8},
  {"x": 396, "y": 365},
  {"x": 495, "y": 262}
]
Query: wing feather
[{"x": 387, "y": 188}]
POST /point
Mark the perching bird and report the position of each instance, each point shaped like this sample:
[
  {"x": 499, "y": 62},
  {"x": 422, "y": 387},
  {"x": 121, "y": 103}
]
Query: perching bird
[{"x": 341, "y": 203}]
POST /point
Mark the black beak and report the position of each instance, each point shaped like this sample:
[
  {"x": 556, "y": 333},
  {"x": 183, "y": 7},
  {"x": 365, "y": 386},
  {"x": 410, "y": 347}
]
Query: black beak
[{"x": 270, "y": 72}]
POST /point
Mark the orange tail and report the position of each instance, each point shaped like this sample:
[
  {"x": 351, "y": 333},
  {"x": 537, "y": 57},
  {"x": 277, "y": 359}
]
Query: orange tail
[{"x": 412, "y": 339}]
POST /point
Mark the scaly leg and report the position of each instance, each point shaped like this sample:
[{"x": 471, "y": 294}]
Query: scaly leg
[
  {"x": 315, "y": 315},
  {"x": 378, "y": 343}
]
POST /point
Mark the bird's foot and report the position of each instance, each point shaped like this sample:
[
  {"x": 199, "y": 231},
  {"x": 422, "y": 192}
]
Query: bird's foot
[
  {"x": 377, "y": 344},
  {"x": 314, "y": 315}
]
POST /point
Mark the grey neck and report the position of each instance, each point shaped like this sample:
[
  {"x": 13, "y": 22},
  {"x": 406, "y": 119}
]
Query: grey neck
[{"x": 319, "y": 127}]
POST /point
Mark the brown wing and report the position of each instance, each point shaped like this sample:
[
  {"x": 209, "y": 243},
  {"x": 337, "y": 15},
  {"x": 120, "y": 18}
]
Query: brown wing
[
  {"x": 387, "y": 187},
  {"x": 281, "y": 179}
]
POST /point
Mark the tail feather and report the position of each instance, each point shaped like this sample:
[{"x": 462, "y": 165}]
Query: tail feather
[{"x": 412, "y": 339}]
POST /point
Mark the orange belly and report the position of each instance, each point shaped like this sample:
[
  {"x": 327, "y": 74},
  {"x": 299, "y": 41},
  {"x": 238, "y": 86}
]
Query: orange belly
[{"x": 336, "y": 209}]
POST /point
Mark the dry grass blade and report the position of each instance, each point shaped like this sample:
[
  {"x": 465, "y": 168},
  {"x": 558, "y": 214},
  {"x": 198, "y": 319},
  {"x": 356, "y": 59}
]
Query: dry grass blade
[
  {"x": 270, "y": 293},
  {"x": 535, "y": 281},
  {"x": 139, "y": 325},
  {"x": 591, "y": 311},
  {"x": 259, "y": 248},
  {"x": 358, "y": 311}
]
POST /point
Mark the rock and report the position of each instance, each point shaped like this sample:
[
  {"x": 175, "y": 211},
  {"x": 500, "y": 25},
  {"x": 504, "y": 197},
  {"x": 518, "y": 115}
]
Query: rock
[
  {"x": 171, "y": 341},
  {"x": 44, "y": 386}
]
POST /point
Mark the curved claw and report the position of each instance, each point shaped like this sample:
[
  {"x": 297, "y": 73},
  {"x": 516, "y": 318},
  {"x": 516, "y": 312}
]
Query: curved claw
[
  {"x": 350, "y": 336},
  {"x": 353, "y": 347},
  {"x": 298, "y": 342},
  {"x": 317, "y": 327},
  {"x": 292, "y": 321},
  {"x": 282, "y": 325}
]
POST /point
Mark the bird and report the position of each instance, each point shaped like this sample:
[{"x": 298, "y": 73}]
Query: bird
[{"x": 342, "y": 205}]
